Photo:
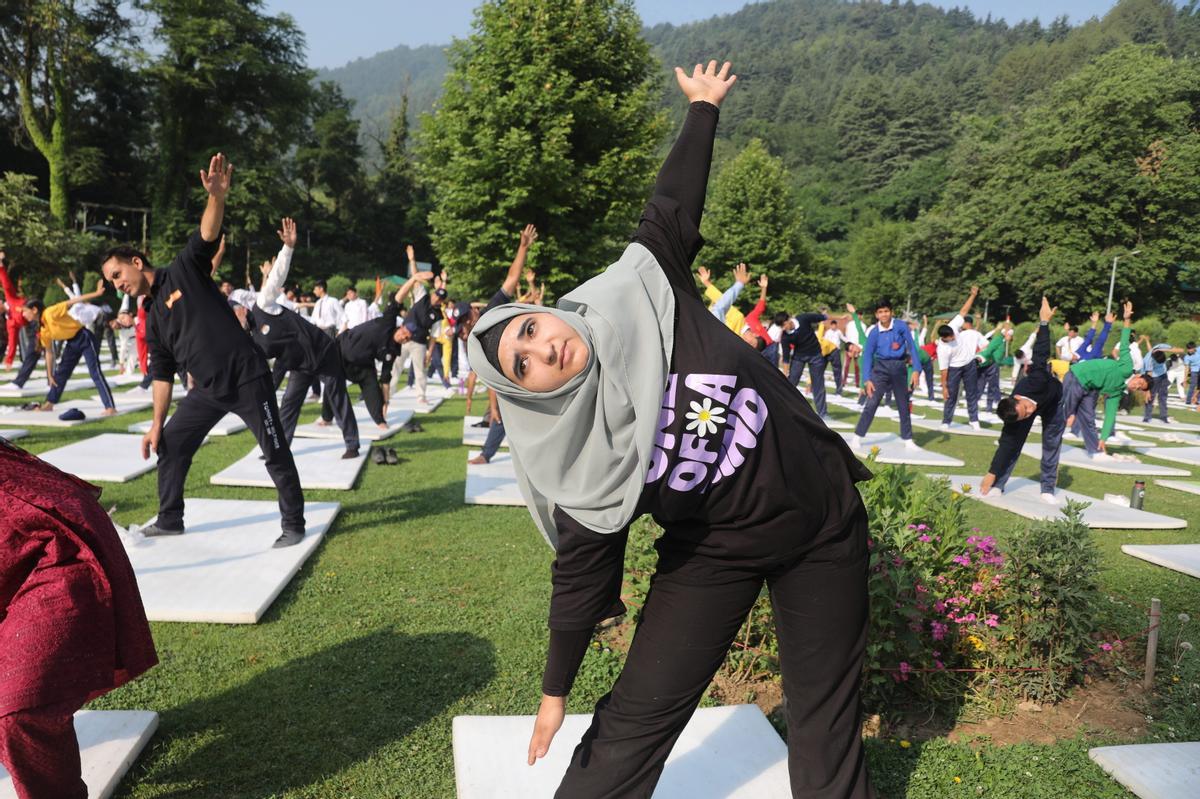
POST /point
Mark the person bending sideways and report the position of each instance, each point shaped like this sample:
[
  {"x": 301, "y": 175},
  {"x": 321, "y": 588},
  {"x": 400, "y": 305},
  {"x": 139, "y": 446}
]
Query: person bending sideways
[
  {"x": 189, "y": 321},
  {"x": 1086, "y": 381},
  {"x": 72, "y": 626},
  {"x": 1037, "y": 394},
  {"x": 299, "y": 348},
  {"x": 958, "y": 344},
  {"x": 629, "y": 397},
  {"x": 56, "y": 324},
  {"x": 380, "y": 340}
]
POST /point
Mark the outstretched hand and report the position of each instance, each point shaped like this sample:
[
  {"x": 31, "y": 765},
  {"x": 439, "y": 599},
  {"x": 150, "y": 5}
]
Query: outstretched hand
[
  {"x": 705, "y": 275},
  {"x": 287, "y": 234},
  {"x": 528, "y": 236},
  {"x": 1110, "y": 317},
  {"x": 706, "y": 84},
  {"x": 1128, "y": 308},
  {"x": 1047, "y": 313},
  {"x": 762, "y": 282},
  {"x": 850, "y": 309},
  {"x": 741, "y": 274},
  {"x": 549, "y": 720},
  {"x": 217, "y": 177}
]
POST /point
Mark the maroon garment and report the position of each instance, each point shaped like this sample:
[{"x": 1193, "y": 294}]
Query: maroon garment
[
  {"x": 40, "y": 751},
  {"x": 72, "y": 625}
]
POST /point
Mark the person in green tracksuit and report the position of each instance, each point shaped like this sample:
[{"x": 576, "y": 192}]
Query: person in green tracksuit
[
  {"x": 1086, "y": 381},
  {"x": 989, "y": 364}
]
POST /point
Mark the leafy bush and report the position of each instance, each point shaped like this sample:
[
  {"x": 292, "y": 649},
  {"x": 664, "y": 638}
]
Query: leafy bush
[
  {"x": 1150, "y": 326},
  {"x": 366, "y": 288},
  {"x": 1048, "y": 609},
  {"x": 336, "y": 285},
  {"x": 1183, "y": 331}
]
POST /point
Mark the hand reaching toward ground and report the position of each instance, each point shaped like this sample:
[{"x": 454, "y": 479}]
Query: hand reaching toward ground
[{"x": 706, "y": 83}]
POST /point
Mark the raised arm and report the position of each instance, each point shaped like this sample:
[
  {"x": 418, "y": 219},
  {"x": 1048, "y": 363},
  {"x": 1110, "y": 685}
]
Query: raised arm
[
  {"x": 273, "y": 280},
  {"x": 216, "y": 180},
  {"x": 741, "y": 276},
  {"x": 91, "y": 295},
  {"x": 966, "y": 307},
  {"x": 512, "y": 280},
  {"x": 417, "y": 279}
]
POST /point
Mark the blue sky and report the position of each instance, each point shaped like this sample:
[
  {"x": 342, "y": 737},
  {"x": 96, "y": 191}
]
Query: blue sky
[{"x": 343, "y": 30}]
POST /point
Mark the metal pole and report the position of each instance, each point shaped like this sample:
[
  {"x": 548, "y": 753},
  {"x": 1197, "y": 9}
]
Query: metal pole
[
  {"x": 1152, "y": 644},
  {"x": 1112, "y": 281}
]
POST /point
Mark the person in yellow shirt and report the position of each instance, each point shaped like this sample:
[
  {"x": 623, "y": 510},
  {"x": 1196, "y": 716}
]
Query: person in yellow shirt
[
  {"x": 57, "y": 324},
  {"x": 722, "y": 304}
]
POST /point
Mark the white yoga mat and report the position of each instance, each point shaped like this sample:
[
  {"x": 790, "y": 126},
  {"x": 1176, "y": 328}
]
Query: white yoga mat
[
  {"x": 477, "y": 436},
  {"x": 1168, "y": 436},
  {"x": 723, "y": 753},
  {"x": 106, "y": 458},
  {"x": 836, "y": 424},
  {"x": 318, "y": 462},
  {"x": 39, "y": 388},
  {"x": 1153, "y": 771},
  {"x": 1188, "y": 455},
  {"x": 408, "y": 402},
  {"x": 92, "y": 411},
  {"x": 1190, "y": 487},
  {"x": 109, "y": 742},
  {"x": 893, "y": 450},
  {"x": 223, "y": 568},
  {"x": 227, "y": 425},
  {"x": 1179, "y": 557},
  {"x": 13, "y": 435},
  {"x": 1074, "y": 456},
  {"x": 1023, "y": 497},
  {"x": 1157, "y": 424},
  {"x": 493, "y": 483},
  {"x": 367, "y": 431},
  {"x": 956, "y": 428}
]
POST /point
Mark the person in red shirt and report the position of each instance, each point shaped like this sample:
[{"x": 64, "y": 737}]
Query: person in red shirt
[
  {"x": 756, "y": 335},
  {"x": 14, "y": 320},
  {"x": 72, "y": 625}
]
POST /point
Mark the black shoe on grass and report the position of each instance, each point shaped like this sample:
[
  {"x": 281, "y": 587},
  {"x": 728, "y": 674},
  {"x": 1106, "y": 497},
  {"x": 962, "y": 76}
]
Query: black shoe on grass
[
  {"x": 379, "y": 456},
  {"x": 289, "y": 539},
  {"x": 392, "y": 458}
]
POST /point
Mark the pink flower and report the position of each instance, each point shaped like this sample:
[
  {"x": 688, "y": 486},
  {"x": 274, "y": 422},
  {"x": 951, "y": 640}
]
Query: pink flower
[
  {"x": 1106, "y": 647},
  {"x": 977, "y": 588},
  {"x": 904, "y": 667},
  {"x": 992, "y": 620},
  {"x": 939, "y": 630},
  {"x": 939, "y": 664},
  {"x": 939, "y": 606},
  {"x": 923, "y": 538},
  {"x": 922, "y": 527},
  {"x": 922, "y": 589},
  {"x": 962, "y": 560}
]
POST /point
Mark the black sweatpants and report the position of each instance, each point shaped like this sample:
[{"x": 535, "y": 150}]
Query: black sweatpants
[
  {"x": 692, "y": 613},
  {"x": 332, "y": 376},
  {"x": 195, "y": 416},
  {"x": 367, "y": 380}
]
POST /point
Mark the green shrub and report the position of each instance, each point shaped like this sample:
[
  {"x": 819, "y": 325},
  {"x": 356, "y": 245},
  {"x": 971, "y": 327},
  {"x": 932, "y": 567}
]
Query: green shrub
[
  {"x": 1183, "y": 331},
  {"x": 366, "y": 288},
  {"x": 336, "y": 285},
  {"x": 1048, "y": 612},
  {"x": 1150, "y": 326}
]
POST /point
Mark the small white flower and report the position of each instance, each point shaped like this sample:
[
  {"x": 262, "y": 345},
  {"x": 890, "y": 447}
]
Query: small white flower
[
  {"x": 705, "y": 418},
  {"x": 1183, "y": 617},
  {"x": 1186, "y": 646}
]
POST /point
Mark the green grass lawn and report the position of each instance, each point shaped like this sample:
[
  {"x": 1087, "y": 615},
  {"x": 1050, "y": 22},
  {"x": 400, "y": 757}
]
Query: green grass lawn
[{"x": 418, "y": 608}]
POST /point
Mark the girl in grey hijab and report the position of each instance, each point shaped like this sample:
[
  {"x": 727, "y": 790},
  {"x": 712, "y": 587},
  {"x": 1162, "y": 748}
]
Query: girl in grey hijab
[{"x": 630, "y": 398}]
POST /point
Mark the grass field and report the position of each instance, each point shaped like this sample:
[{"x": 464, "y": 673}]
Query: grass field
[{"x": 418, "y": 608}]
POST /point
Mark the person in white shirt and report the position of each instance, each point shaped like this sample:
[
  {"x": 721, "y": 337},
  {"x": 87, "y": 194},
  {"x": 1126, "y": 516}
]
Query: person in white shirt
[
  {"x": 327, "y": 311},
  {"x": 1068, "y": 346},
  {"x": 957, "y": 345},
  {"x": 833, "y": 336},
  {"x": 354, "y": 310}
]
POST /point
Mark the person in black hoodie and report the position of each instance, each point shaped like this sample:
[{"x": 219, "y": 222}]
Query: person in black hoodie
[
  {"x": 189, "y": 323},
  {"x": 1036, "y": 395}
]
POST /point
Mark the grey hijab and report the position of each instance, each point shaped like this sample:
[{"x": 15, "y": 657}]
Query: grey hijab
[{"x": 586, "y": 446}]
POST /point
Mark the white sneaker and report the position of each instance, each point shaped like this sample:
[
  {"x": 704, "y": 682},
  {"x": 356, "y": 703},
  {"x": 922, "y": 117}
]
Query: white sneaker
[
  {"x": 911, "y": 445},
  {"x": 975, "y": 426},
  {"x": 944, "y": 426},
  {"x": 1102, "y": 457},
  {"x": 1049, "y": 499},
  {"x": 856, "y": 442}
]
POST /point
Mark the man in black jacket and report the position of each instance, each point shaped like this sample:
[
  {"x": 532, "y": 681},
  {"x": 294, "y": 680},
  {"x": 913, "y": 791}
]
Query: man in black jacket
[
  {"x": 1037, "y": 394},
  {"x": 189, "y": 323}
]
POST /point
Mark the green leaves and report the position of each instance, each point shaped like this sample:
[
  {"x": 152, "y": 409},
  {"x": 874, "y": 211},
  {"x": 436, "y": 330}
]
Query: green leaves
[{"x": 547, "y": 117}]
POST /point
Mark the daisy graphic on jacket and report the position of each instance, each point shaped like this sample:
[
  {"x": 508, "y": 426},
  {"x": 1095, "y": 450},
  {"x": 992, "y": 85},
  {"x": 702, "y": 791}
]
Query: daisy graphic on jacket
[{"x": 704, "y": 418}]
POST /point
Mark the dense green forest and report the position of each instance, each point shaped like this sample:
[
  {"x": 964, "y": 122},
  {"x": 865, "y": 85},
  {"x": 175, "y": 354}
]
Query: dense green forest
[{"x": 885, "y": 148}]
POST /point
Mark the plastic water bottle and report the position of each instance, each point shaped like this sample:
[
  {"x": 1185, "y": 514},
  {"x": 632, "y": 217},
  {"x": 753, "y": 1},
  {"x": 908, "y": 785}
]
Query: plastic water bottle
[{"x": 1137, "y": 497}]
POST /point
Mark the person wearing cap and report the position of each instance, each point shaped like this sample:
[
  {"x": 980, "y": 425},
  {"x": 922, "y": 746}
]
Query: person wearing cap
[
  {"x": 629, "y": 397},
  {"x": 189, "y": 323},
  {"x": 56, "y": 324},
  {"x": 421, "y": 318}
]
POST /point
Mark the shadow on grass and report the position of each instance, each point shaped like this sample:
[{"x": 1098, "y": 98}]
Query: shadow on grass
[{"x": 317, "y": 715}]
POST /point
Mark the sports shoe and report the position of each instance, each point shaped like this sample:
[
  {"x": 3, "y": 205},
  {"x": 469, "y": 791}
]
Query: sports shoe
[
  {"x": 911, "y": 445},
  {"x": 392, "y": 457},
  {"x": 350, "y": 454},
  {"x": 289, "y": 538},
  {"x": 1049, "y": 499},
  {"x": 975, "y": 426},
  {"x": 944, "y": 426},
  {"x": 152, "y": 530},
  {"x": 856, "y": 442},
  {"x": 378, "y": 456}
]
